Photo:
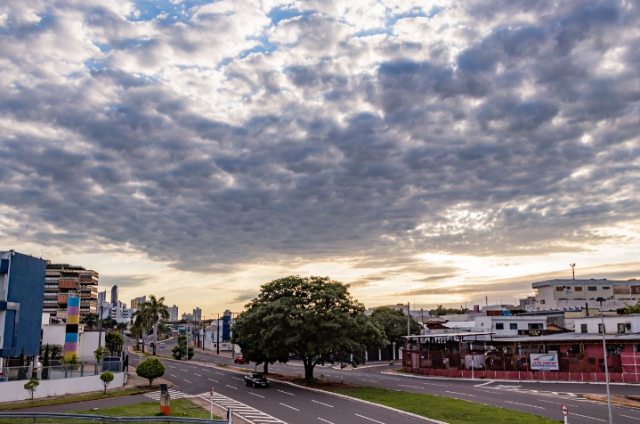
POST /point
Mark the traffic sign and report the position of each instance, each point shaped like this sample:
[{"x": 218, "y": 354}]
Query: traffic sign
[
  {"x": 211, "y": 391},
  {"x": 565, "y": 410}
]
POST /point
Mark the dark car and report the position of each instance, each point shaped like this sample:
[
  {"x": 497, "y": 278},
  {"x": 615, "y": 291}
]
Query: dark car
[
  {"x": 241, "y": 360},
  {"x": 255, "y": 379}
]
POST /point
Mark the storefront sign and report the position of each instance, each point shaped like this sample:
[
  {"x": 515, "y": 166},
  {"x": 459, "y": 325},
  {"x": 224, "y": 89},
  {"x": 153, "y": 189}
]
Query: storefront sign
[{"x": 544, "y": 361}]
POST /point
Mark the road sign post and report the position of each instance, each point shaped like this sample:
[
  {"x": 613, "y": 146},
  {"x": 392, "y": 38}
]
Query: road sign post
[
  {"x": 565, "y": 412},
  {"x": 211, "y": 402}
]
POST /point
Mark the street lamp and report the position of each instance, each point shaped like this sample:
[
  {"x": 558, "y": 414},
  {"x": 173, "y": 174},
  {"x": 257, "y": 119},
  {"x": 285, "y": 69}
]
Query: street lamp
[{"x": 606, "y": 367}]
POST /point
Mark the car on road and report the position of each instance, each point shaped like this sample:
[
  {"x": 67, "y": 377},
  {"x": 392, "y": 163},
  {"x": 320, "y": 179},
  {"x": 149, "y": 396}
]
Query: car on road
[
  {"x": 241, "y": 360},
  {"x": 255, "y": 379},
  {"x": 161, "y": 345}
]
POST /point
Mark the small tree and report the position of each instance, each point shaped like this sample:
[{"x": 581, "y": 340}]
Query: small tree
[
  {"x": 106, "y": 377},
  {"x": 45, "y": 363},
  {"x": 150, "y": 368},
  {"x": 100, "y": 353},
  {"x": 114, "y": 341},
  {"x": 31, "y": 385}
]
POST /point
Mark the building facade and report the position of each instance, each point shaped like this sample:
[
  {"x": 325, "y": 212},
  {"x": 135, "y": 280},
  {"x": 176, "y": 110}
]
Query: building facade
[
  {"x": 560, "y": 294},
  {"x": 21, "y": 297},
  {"x": 63, "y": 278},
  {"x": 114, "y": 295},
  {"x": 197, "y": 314},
  {"x": 137, "y": 302},
  {"x": 173, "y": 313}
]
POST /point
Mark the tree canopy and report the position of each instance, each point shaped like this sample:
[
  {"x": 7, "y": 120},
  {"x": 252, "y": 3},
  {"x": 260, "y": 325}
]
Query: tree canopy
[
  {"x": 313, "y": 318},
  {"x": 114, "y": 341},
  {"x": 393, "y": 323},
  {"x": 150, "y": 368}
]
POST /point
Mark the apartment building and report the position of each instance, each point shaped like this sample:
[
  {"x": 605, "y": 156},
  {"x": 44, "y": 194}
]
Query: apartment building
[
  {"x": 61, "y": 279},
  {"x": 173, "y": 313},
  {"x": 135, "y": 303}
]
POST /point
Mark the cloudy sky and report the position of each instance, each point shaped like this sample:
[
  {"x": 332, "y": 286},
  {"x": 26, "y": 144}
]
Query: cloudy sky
[{"x": 427, "y": 151}]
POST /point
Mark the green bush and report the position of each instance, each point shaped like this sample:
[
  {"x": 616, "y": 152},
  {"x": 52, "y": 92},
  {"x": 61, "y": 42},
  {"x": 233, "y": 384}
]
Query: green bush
[
  {"x": 106, "y": 378},
  {"x": 150, "y": 368},
  {"x": 31, "y": 385}
]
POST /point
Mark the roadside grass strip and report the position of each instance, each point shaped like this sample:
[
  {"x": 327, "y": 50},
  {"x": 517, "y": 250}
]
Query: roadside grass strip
[
  {"x": 72, "y": 399},
  {"x": 452, "y": 411},
  {"x": 179, "y": 407}
]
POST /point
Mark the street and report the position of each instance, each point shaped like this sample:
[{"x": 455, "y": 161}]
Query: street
[{"x": 290, "y": 404}]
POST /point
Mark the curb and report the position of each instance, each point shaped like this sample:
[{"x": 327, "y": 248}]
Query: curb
[
  {"x": 617, "y": 402},
  {"x": 504, "y": 381}
]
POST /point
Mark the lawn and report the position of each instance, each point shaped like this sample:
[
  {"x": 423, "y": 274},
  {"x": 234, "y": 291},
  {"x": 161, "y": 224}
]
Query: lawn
[
  {"x": 440, "y": 408},
  {"x": 179, "y": 407},
  {"x": 72, "y": 399}
]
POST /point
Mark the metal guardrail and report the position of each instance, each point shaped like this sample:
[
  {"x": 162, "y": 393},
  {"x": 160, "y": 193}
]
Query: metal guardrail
[{"x": 104, "y": 418}]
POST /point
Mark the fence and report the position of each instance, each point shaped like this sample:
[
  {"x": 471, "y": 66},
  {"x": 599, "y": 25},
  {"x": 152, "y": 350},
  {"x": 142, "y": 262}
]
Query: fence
[
  {"x": 106, "y": 419},
  {"x": 58, "y": 372}
]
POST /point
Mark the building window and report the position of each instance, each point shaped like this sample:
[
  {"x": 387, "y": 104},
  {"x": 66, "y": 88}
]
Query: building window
[
  {"x": 499, "y": 326},
  {"x": 536, "y": 326},
  {"x": 559, "y": 288},
  {"x": 513, "y": 326},
  {"x": 622, "y": 328},
  {"x": 636, "y": 348},
  {"x": 583, "y": 328},
  {"x": 592, "y": 288},
  {"x": 606, "y": 288},
  {"x": 600, "y": 328},
  {"x": 578, "y": 288},
  {"x": 542, "y": 302}
]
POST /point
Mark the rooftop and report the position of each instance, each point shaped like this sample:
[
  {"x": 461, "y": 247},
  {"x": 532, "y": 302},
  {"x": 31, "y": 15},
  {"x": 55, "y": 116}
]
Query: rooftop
[
  {"x": 590, "y": 282},
  {"x": 573, "y": 337}
]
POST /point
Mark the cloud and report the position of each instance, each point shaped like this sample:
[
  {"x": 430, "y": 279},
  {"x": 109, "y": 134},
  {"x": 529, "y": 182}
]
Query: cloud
[{"x": 214, "y": 136}]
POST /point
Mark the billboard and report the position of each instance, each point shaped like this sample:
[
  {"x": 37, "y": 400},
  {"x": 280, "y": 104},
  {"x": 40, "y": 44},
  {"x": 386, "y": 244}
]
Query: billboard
[{"x": 544, "y": 361}]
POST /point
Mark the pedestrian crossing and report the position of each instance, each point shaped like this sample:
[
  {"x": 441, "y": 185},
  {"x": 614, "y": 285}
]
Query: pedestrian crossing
[
  {"x": 249, "y": 414},
  {"x": 174, "y": 394}
]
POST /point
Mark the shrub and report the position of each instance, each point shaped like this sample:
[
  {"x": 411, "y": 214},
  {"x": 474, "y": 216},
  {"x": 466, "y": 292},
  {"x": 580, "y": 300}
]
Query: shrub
[
  {"x": 31, "y": 385},
  {"x": 106, "y": 377},
  {"x": 150, "y": 368}
]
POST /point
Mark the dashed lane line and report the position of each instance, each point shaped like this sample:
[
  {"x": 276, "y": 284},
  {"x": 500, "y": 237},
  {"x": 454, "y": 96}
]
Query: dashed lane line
[
  {"x": 187, "y": 381},
  {"x": 286, "y": 393},
  {"x": 525, "y": 404},
  {"x": 284, "y": 404},
  {"x": 255, "y": 394},
  {"x": 584, "y": 416},
  {"x": 320, "y": 403},
  {"x": 458, "y": 393},
  {"x": 197, "y": 374},
  {"x": 627, "y": 416},
  {"x": 484, "y": 384},
  {"x": 370, "y": 419},
  {"x": 215, "y": 381},
  {"x": 233, "y": 387},
  {"x": 326, "y": 421}
]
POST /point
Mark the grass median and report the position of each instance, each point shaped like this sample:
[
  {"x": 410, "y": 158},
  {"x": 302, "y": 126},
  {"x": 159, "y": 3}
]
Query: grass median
[
  {"x": 73, "y": 399},
  {"x": 179, "y": 408},
  {"x": 452, "y": 411}
]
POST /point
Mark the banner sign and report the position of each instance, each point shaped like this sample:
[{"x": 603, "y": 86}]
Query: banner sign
[{"x": 544, "y": 361}]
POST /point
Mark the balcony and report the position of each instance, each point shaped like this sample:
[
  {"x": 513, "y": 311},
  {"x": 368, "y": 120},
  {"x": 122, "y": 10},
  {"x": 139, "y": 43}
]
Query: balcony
[
  {"x": 68, "y": 284},
  {"x": 62, "y": 300}
]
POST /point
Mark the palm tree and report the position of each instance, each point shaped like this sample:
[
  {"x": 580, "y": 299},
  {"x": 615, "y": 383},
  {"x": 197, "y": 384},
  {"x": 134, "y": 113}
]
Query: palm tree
[
  {"x": 137, "y": 330},
  {"x": 121, "y": 327},
  {"x": 153, "y": 311}
]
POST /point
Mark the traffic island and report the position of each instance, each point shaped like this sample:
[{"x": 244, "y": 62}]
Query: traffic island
[{"x": 626, "y": 400}]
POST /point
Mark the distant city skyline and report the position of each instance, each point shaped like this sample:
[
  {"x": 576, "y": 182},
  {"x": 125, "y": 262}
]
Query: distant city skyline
[{"x": 434, "y": 152}]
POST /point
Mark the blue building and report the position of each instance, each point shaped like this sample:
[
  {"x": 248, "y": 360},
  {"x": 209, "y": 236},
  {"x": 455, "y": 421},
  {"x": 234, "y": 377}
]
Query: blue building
[{"x": 21, "y": 297}]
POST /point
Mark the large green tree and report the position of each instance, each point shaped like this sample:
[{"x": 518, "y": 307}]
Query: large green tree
[
  {"x": 393, "y": 323},
  {"x": 313, "y": 318}
]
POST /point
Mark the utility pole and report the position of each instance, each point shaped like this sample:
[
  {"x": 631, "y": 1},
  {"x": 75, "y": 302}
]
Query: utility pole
[
  {"x": 606, "y": 367},
  {"x": 408, "y": 319},
  {"x": 218, "y": 336},
  {"x": 573, "y": 270}
]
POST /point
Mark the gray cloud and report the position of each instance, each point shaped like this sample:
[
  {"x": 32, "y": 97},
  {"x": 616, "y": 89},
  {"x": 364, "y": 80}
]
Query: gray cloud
[{"x": 309, "y": 151}]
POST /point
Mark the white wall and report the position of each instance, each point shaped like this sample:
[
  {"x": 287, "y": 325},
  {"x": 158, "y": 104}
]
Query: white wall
[
  {"x": 87, "y": 340},
  {"x": 521, "y": 323},
  {"x": 14, "y": 390}
]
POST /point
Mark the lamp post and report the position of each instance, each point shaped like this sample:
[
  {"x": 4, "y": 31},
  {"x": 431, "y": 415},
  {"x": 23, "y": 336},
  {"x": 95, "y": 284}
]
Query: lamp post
[{"x": 606, "y": 367}]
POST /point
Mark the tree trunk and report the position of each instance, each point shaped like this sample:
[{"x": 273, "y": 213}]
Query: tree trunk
[
  {"x": 265, "y": 368},
  {"x": 308, "y": 371},
  {"x": 155, "y": 337}
]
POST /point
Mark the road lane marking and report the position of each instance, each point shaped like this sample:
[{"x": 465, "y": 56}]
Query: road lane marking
[
  {"x": 219, "y": 373},
  {"x": 413, "y": 387},
  {"x": 526, "y": 404},
  {"x": 626, "y": 416},
  {"x": 197, "y": 374},
  {"x": 365, "y": 379},
  {"x": 235, "y": 388},
  {"x": 240, "y": 409},
  {"x": 458, "y": 393},
  {"x": 173, "y": 375},
  {"x": 284, "y": 404},
  {"x": 187, "y": 381},
  {"x": 484, "y": 384},
  {"x": 370, "y": 419},
  {"x": 183, "y": 370},
  {"x": 322, "y": 419},
  {"x": 286, "y": 393},
  {"x": 213, "y": 380},
  {"x": 584, "y": 416},
  {"x": 170, "y": 366},
  {"x": 325, "y": 404},
  {"x": 251, "y": 393},
  {"x": 434, "y": 384}
]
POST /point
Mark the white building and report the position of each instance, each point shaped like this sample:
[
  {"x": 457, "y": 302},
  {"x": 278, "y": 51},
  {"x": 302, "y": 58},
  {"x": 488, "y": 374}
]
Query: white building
[
  {"x": 173, "y": 313},
  {"x": 560, "y": 294},
  {"x": 197, "y": 314},
  {"x": 621, "y": 324},
  {"x": 511, "y": 325}
]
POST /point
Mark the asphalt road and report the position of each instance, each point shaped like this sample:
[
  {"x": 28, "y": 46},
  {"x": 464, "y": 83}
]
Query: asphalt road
[
  {"x": 544, "y": 399},
  {"x": 283, "y": 402}
]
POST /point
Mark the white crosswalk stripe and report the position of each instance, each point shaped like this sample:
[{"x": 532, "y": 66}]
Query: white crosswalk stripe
[
  {"x": 174, "y": 394},
  {"x": 248, "y": 413}
]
